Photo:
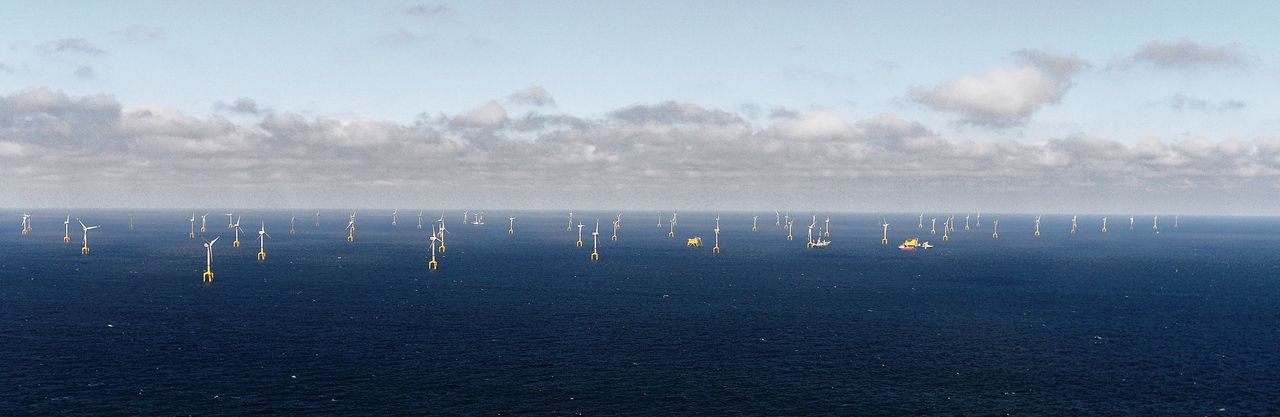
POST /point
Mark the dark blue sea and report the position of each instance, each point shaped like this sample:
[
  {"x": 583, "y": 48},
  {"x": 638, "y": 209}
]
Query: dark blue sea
[{"x": 1186, "y": 322}]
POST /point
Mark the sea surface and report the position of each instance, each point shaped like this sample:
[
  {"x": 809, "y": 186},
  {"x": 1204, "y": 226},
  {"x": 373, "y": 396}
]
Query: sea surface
[{"x": 1184, "y": 322}]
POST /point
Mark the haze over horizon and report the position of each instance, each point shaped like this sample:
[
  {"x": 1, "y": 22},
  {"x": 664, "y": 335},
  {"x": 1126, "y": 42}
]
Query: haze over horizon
[{"x": 832, "y": 106}]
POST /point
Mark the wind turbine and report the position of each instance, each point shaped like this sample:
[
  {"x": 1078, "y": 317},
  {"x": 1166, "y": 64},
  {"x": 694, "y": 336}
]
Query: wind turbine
[
  {"x": 569, "y": 228},
  {"x": 790, "y": 225},
  {"x": 672, "y": 233},
  {"x": 419, "y": 219},
  {"x": 207, "y": 278},
  {"x": 442, "y": 232},
  {"x": 202, "y": 222},
  {"x": 995, "y": 229},
  {"x": 979, "y": 224},
  {"x": 966, "y": 222},
  {"x": 85, "y": 250},
  {"x": 433, "y": 265},
  {"x": 920, "y": 223},
  {"x": 777, "y": 219},
  {"x": 465, "y": 214},
  {"x": 262, "y": 241},
  {"x": 1155, "y": 224},
  {"x": 351, "y": 228},
  {"x": 229, "y": 223},
  {"x": 1130, "y": 222},
  {"x": 595, "y": 241},
  {"x": 236, "y": 226},
  {"x": 66, "y": 229},
  {"x": 659, "y": 219},
  {"x": 617, "y": 224},
  {"x": 1037, "y": 225},
  {"x": 395, "y": 216},
  {"x": 511, "y": 225},
  {"x": 884, "y": 239},
  {"x": 826, "y": 230},
  {"x": 293, "y": 231},
  {"x": 1104, "y": 224},
  {"x": 810, "y": 243},
  {"x": 1073, "y": 224},
  {"x": 933, "y": 227},
  {"x": 754, "y": 219},
  {"x": 579, "y": 234},
  {"x": 1175, "y": 222},
  {"x": 317, "y": 219},
  {"x": 191, "y": 235},
  {"x": 26, "y": 224},
  {"x": 716, "y": 248},
  {"x": 946, "y": 229},
  {"x": 130, "y": 222}
]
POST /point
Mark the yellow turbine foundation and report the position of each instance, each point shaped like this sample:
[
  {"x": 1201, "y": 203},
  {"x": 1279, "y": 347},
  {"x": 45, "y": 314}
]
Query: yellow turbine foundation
[
  {"x": 579, "y": 243},
  {"x": 66, "y": 239},
  {"x": 191, "y": 235},
  {"x": 235, "y": 243},
  {"x": 85, "y": 250},
  {"x": 207, "y": 278},
  {"x": 595, "y": 256},
  {"x": 442, "y": 248},
  {"x": 715, "y": 249},
  {"x": 433, "y": 265},
  {"x": 884, "y": 241},
  {"x": 262, "y": 255}
]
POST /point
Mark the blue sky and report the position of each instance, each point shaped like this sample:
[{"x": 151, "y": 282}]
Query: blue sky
[{"x": 404, "y": 62}]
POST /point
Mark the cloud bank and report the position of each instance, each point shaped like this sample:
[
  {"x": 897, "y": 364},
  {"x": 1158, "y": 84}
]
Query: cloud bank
[
  {"x": 57, "y": 149},
  {"x": 1186, "y": 54}
]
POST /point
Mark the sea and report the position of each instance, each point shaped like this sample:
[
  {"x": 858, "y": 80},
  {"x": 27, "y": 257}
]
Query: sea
[{"x": 1130, "y": 322}]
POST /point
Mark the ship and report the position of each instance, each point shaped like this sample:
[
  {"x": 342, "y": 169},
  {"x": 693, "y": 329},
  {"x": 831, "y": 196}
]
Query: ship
[{"x": 910, "y": 245}]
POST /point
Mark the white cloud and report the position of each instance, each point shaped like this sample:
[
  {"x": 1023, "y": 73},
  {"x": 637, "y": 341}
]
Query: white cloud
[
  {"x": 1187, "y": 54},
  {"x": 490, "y": 115},
  {"x": 534, "y": 95},
  {"x": 1005, "y": 96}
]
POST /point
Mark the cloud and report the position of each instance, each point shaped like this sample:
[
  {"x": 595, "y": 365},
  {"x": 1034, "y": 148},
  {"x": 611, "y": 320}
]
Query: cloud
[
  {"x": 667, "y": 154},
  {"x": 400, "y": 37},
  {"x": 427, "y": 11},
  {"x": 1186, "y": 54},
  {"x": 69, "y": 46},
  {"x": 534, "y": 95},
  {"x": 5, "y": 68},
  {"x": 490, "y": 115},
  {"x": 1183, "y": 102},
  {"x": 85, "y": 71},
  {"x": 141, "y": 34},
  {"x": 1007, "y": 96},
  {"x": 242, "y": 105}
]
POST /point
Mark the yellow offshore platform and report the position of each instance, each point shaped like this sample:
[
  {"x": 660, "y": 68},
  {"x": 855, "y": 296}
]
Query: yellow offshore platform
[{"x": 695, "y": 242}]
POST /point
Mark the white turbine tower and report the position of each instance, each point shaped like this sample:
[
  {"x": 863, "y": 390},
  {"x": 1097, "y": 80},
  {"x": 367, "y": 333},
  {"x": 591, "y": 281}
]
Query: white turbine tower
[
  {"x": 1037, "y": 225},
  {"x": 933, "y": 226},
  {"x": 754, "y": 220},
  {"x": 236, "y": 227},
  {"x": 419, "y": 219},
  {"x": 659, "y": 219},
  {"x": 207, "y": 278},
  {"x": 884, "y": 238},
  {"x": 85, "y": 249},
  {"x": 569, "y": 228},
  {"x": 1104, "y": 224},
  {"x": 595, "y": 242},
  {"x": 979, "y": 223},
  {"x": 229, "y": 222},
  {"x": 966, "y": 222},
  {"x": 432, "y": 265},
  {"x": 1073, "y": 224},
  {"x": 1155, "y": 224},
  {"x": 26, "y": 224},
  {"x": 511, "y": 225},
  {"x": 777, "y": 218},
  {"x": 1130, "y": 222},
  {"x": 203, "y": 223},
  {"x": 351, "y": 228},
  {"x": 995, "y": 229},
  {"x": 395, "y": 217},
  {"x": 826, "y": 230},
  {"x": 317, "y": 219},
  {"x": 66, "y": 229},
  {"x": 617, "y": 224},
  {"x": 262, "y": 241},
  {"x": 672, "y": 233},
  {"x": 946, "y": 229},
  {"x": 580, "y": 234},
  {"x": 192, "y": 235},
  {"x": 442, "y": 232},
  {"x": 293, "y": 230},
  {"x": 920, "y": 222},
  {"x": 716, "y": 248}
]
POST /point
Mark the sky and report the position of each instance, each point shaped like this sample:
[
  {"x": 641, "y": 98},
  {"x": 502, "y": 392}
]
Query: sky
[{"x": 1092, "y": 107}]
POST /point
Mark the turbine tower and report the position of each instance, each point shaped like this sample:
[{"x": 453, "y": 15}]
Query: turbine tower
[
  {"x": 1073, "y": 224},
  {"x": 579, "y": 235},
  {"x": 1175, "y": 222},
  {"x": 236, "y": 226},
  {"x": 351, "y": 228},
  {"x": 933, "y": 227},
  {"x": 191, "y": 235},
  {"x": 262, "y": 241},
  {"x": 26, "y": 224},
  {"x": 979, "y": 223},
  {"x": 754, "y": 219},
  {"x": 595, "y": 242},
  {"x": 1104, "y": 224},
  {"x": 442, "y": 232},
  {"x": 672, "y": 232},
  {"x": 1155, "y": 224},
  {"x": 433, "y": 265},
  {"x": 826, "y": 230},
  {"x": 419, "y": 219},
  {"x": 229, "y": 222},
  {"x": 995, "y": 229},
  {"x": 777, "y": 221},
  {"x": 569, "y": 228},
  {"x": 920, "y": 223},
  {"x": 716, "y": 248},
  {"x": 207, "y": 278},
  {"x": 617, "y": 224},
  {"x": 85, "y": 250},
  {"x": 293, "y": 230},
  {"x": 395, "y": 216},
  {"x": 66, "y": 229},
  {"x": 130, "y": 222},
  {"x": 659, "y": 219},
  {"x": 1037, "y": 225},
  {"x": 1130, "y": 222},
  {"x": 790, "y": 225},
  {"x": 946, "y": 229},
  {"x": 511, "y": 225},
  {"x": 966, "y": 222},
  {"x": 884, "y": 239},
  {"x": 317, "y": 219},
  {"x": 203, "y": 223}
]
